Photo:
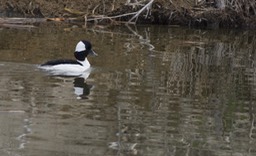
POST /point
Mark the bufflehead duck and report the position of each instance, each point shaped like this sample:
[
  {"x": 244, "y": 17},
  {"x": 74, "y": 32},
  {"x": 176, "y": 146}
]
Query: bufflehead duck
[{"x": 72, "y": 67}]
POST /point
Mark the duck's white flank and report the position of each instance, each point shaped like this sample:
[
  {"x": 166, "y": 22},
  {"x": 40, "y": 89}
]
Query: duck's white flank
[{"x": 68, "y": 69}]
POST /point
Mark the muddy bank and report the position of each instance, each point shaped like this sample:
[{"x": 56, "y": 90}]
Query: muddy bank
[{"x": 193, "y": 13}]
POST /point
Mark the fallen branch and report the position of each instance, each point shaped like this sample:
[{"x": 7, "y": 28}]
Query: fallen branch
[
  {"x": 21, "y": 20},
  {"x": 17, "y": 26},
  {"x": 20, "y": 23},
  {"x": 101, "y": 17}
]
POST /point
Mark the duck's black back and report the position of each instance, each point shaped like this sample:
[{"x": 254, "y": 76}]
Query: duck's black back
[{"x": 58, "y": 62}]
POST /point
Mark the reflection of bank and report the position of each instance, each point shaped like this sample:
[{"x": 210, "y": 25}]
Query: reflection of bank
[{"x": 82, "y": 89}]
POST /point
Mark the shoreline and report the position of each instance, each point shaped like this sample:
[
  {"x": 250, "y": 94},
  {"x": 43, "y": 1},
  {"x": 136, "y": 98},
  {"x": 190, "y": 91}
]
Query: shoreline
[{"x": 210, "y": 14}]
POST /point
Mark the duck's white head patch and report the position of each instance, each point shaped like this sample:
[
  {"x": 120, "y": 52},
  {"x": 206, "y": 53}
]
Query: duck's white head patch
[{"x": 80, "y": 46}]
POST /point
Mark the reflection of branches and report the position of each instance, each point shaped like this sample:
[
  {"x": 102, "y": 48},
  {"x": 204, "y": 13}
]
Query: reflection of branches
[
  {"x": 142, "y": 40},
  {"x": 108, "y": 32},
  {"x": 252, "y": 127}
]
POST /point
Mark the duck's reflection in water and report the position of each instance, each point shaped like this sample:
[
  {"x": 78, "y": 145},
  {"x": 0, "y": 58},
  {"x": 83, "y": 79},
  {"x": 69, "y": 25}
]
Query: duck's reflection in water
[{"x": 82, "y": 89}]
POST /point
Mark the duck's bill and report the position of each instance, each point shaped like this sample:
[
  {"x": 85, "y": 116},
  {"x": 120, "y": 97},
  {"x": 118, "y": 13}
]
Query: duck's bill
[{"x": 93, "y": 53}]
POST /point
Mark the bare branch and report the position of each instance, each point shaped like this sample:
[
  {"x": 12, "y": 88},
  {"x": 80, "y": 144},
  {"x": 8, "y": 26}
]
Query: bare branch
[{"x": 147, "y": 6}]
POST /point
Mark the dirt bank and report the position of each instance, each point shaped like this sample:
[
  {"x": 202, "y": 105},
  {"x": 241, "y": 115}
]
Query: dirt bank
[{"x": 195, "y": 13}]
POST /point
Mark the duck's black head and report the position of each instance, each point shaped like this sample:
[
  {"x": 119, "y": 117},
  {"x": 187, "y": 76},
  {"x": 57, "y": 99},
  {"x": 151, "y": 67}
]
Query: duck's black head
[{"x": 83, "y": 49}]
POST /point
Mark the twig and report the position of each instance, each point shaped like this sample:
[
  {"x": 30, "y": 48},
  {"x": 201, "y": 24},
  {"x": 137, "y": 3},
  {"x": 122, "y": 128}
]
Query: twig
[
  {"x": 85, "y": 21},
  {"x": 113, "y": 5},
  {"x": 93, "y": 10},
  {"x": 147, "y": 6}
]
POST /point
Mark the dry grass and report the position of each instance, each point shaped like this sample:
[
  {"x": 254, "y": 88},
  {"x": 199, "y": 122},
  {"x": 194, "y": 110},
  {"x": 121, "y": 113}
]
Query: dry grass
[{"x": 181, "y": 12}]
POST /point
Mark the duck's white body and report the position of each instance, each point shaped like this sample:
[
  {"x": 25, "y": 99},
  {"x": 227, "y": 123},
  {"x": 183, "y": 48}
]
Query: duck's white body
[
  {"x": 68, "y": 69},
  {"x": 72, "y": 67}
]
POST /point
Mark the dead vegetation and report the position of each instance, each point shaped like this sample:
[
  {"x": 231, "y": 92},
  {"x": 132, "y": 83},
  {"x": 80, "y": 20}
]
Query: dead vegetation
[{"x": 196, "y": 13}]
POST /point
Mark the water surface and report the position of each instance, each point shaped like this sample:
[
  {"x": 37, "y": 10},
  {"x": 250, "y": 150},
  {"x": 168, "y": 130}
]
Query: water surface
[{"x": 153, "y": 90}]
